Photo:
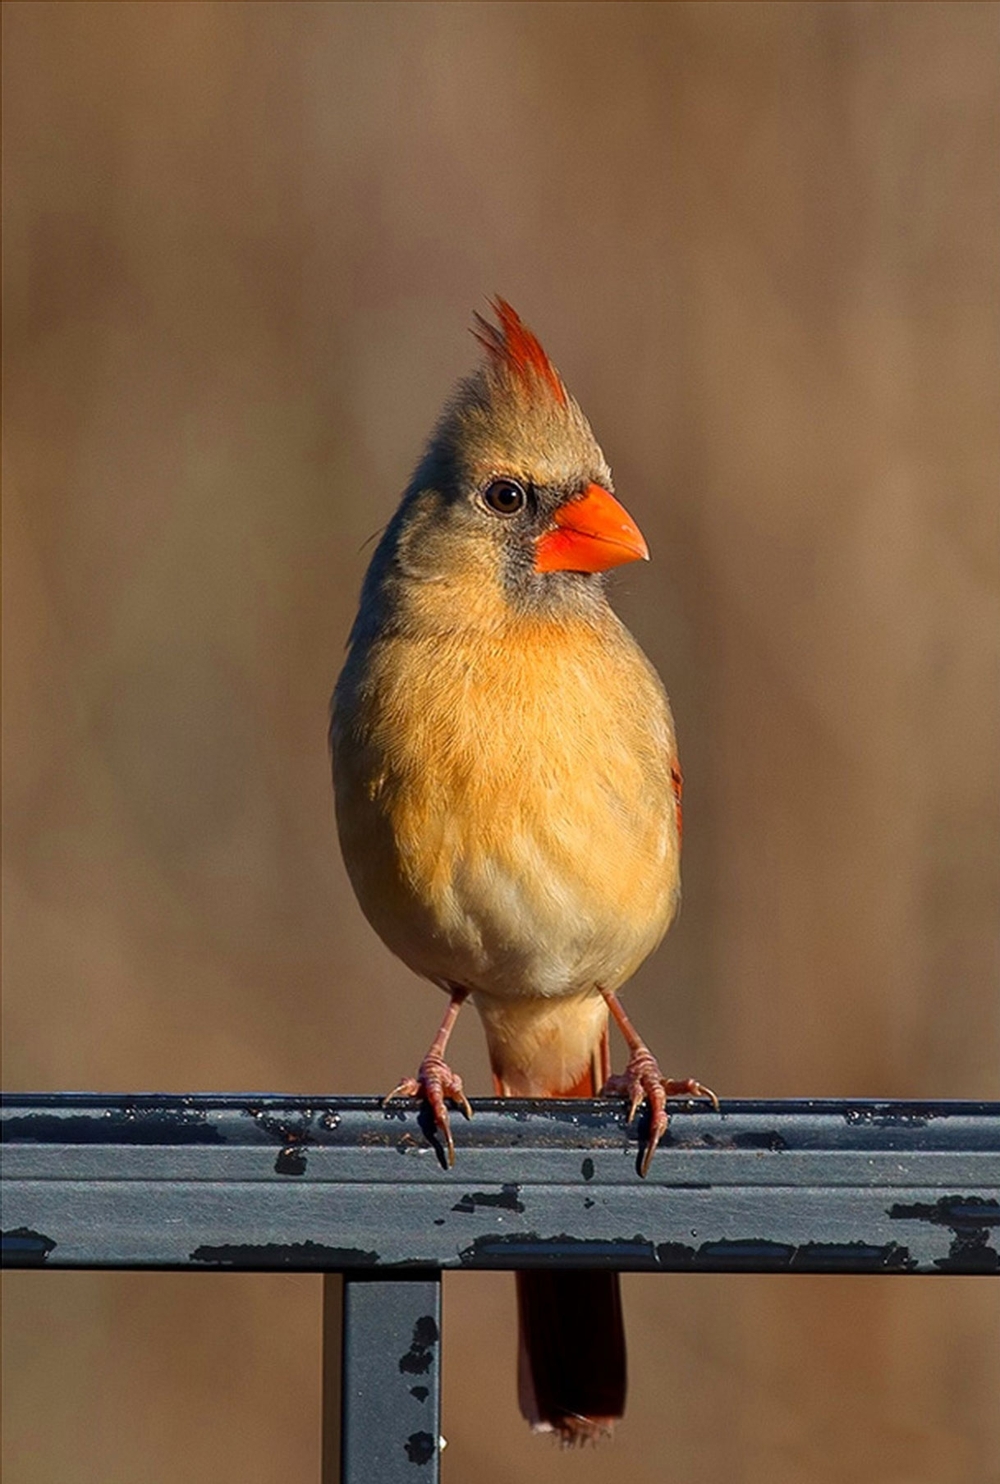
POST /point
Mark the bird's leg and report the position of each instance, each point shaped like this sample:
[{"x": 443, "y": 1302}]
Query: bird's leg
[
  {"x": 643, "y": 1079},
  {"x": 435, "y": 1080}
]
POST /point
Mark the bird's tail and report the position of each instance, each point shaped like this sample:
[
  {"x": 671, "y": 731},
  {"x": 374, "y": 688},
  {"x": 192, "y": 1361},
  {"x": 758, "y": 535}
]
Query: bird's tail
[{"x": 571, "y": 1351}]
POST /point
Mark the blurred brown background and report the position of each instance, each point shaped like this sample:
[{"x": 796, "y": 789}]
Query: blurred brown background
[{"x": 242, "y": 247}]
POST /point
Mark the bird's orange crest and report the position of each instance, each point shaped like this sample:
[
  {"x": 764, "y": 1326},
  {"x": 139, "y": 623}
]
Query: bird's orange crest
[{"x": 513, "y": 348}]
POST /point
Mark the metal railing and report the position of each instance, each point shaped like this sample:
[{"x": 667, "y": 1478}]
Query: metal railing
[{"x": 363, "y": 1194}]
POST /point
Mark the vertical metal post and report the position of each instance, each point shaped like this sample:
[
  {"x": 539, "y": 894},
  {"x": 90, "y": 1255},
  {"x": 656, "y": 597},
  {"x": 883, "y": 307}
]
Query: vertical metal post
[
  {"x": 333, "y": 1346},
  {"x": 390, "y": 1381}
]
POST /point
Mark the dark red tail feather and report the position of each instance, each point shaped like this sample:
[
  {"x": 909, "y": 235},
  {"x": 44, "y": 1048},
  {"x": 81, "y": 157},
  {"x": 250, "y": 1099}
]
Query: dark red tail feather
[
  {"x": 571, "y": 1363},
  {"x": 572, "y": 1370}
]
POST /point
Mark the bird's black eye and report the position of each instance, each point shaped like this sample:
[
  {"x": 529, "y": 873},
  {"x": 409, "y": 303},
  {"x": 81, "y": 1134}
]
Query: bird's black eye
[{"x": 505, "y": 496}]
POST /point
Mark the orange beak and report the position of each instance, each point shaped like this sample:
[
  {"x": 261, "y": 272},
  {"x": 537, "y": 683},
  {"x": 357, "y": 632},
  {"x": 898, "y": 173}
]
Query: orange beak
[{"x": 592, "y": 533}]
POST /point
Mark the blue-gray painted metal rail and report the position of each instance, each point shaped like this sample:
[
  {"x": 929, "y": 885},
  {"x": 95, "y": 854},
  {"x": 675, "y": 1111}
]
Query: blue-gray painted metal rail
[
  {"x": 347, "y": 1187},
  {"x": 341, "y": 1184}
]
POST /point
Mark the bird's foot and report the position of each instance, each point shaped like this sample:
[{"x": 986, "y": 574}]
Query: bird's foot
[
  {"x": 641, "y": 1079},
  {"x": 435, "y": 1081}
]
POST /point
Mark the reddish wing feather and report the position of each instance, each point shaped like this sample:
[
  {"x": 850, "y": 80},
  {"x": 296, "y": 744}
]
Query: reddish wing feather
[
  {"x": 677, "y": 784},
  {"x": 514, "y": 349}
]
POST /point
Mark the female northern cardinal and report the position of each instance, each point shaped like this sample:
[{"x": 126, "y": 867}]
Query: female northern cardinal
[{"x": 508, "y": 793}]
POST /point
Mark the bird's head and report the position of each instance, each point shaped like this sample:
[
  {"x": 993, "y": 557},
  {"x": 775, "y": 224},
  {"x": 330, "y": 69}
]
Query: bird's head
[{"x": 512, "y": 503}]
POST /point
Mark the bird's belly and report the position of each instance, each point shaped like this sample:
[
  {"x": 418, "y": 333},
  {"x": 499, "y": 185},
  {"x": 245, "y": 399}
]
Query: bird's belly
[
  {"x": 534, "y": 928},
  {"x": 511, "y": 896},
  {"x": 506, "y": 809}
]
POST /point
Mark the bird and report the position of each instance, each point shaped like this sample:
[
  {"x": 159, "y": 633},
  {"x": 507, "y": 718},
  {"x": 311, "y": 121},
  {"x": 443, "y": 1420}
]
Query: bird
[{"x": 508, "y": 794}]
